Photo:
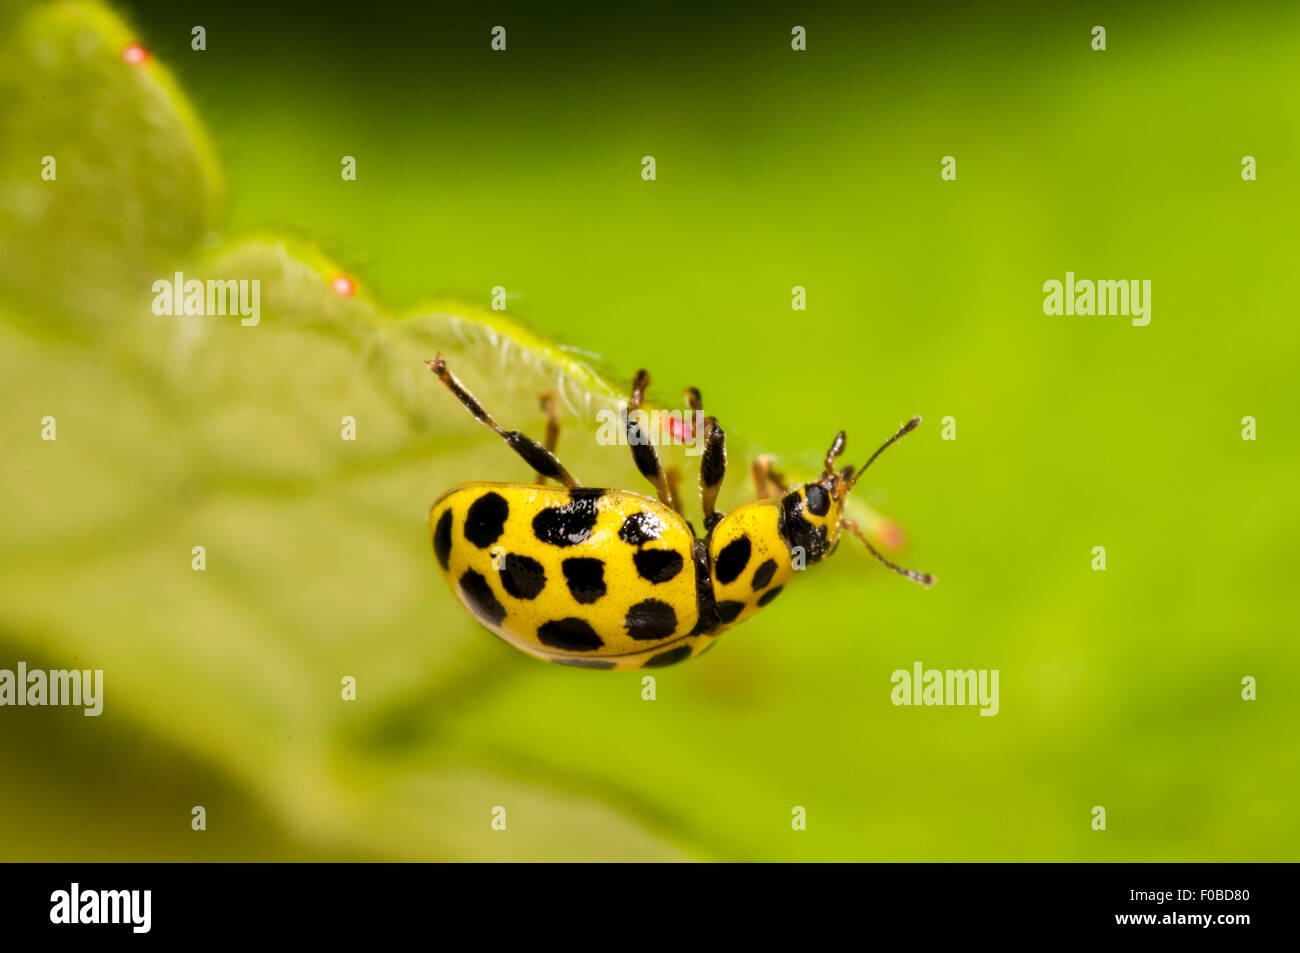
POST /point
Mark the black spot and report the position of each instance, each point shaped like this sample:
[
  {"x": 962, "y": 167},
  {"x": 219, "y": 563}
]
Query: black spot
[
  {"x": 481, "y": 599},
  {"x": 640, "y": 528},
  {"x": 799, "y": 532},
  {"x": 657, "y": 565},
  {"x": 671, "y": 657},
  {"x": 819, "y": 501},
  {"x": 584, "y": 662},
  {"x": 572, "y": 635},
  {"x": 650, "y": 619},
  {"x": 728, "y": 610},
  {"x": 768, "y": 596},
  {"x": 571, "y": 523},
  {"x": 522, "y": 576},
  {"x": 732, "y": 560},
  {"x": 586, "y": 578},
  {"x": 442, "y": 539},
  {"x": 763, "y": 575},
  {"x": 486, "y": 519}
]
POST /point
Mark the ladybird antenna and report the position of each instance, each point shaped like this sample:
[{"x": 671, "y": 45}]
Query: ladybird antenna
[
  {"x": 924, "y": 578},
  {"x": 905, "y": 429}
]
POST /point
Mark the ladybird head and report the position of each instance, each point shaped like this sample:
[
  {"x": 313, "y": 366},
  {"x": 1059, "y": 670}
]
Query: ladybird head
[
  {"x": 813, "y": 514},
  {"x": 810, "y": 520}
]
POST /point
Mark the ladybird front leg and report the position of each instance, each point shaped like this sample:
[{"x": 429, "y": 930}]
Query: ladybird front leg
[
  {"x": 644, "y": 454},
  {"x": 837, "y": 447},
  {"x": 542, "y": 460},
  {"x": 767, "y": 482}
]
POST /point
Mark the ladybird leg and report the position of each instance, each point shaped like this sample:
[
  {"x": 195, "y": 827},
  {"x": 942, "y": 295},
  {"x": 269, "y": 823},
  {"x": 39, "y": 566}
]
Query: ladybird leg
[
  {"x": 713, "y": 463},
  {"x": 713, "y": 467},
  {"x": 673, "y": 476},
  {"x": 551, "y": 407},
  {"x": 837, "y": 447},
  {"x": 644, "y": 454},
  {"x": 924, "y": 578},
  {"x": 767, "y": 482},
  {"x": 533, "y": 453},
  {"x": 696, "y": 403}
]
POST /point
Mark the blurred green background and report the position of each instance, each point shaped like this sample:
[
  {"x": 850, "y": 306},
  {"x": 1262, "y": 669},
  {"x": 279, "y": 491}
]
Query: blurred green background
[{"x": 774, "y": 168}]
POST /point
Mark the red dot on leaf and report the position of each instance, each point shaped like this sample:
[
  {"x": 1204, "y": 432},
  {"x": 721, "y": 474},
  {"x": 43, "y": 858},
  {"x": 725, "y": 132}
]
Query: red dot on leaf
[
  {"x": 134, "y": 53},
  {"x": 343, "y": 286}
]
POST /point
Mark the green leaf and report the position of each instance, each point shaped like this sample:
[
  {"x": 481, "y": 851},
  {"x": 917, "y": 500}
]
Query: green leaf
[
  {"x": 135, "y": 182},
  {"x": 177, "y": 432}
]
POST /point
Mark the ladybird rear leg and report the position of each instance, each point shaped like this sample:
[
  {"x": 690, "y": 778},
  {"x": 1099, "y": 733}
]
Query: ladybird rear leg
[
  {"x": 767, "y": 482},
  {"x": 551, "y": 407},
  {"x": 644, "y": 454},
  {"x": 542, "y": 460}
]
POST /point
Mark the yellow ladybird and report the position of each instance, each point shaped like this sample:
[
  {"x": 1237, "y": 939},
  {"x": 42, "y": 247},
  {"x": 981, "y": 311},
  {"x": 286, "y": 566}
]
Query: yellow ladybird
[{"x": 613, "y": 579}]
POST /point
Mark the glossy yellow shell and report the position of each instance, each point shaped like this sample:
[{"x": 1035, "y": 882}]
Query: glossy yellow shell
[
  {"x": 611, "y": 579},
  {"x": 585, "y": 577},
  {"x": 742, "y": 586}
]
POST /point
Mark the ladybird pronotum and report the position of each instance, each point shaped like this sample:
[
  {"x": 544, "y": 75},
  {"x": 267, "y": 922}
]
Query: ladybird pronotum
[{"x": 613, "y": 579}]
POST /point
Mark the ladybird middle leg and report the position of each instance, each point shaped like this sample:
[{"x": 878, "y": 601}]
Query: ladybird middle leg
[
  {"x": 713, "y": 461},
  {"x": 644, "y": 454},
  {"x": 713, "y": 467},
  {"x": 767, "y": 482},
  {"x": 673, "y": 477},
  {"x": 542, "y": 460},
  {"x": 551, "y": 407}
]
